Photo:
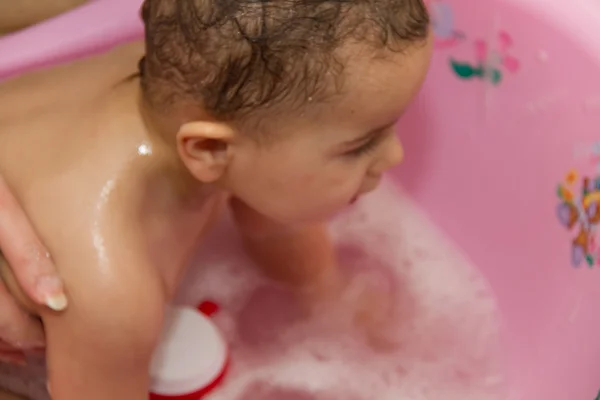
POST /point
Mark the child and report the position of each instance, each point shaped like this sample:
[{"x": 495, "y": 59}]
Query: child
[{"x": 285, "y": 110}]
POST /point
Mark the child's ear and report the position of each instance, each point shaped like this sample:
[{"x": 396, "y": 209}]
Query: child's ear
[{"x": 205, "y": 148}]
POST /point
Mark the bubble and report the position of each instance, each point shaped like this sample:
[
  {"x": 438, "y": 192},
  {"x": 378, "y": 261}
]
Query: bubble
[{"x": 445, "y": 319}]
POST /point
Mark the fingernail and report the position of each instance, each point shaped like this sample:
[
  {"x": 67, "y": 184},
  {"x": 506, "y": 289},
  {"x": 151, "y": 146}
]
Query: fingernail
[
  {"x": 57, "y": 302},
  {"x": 51, "y": 289}
]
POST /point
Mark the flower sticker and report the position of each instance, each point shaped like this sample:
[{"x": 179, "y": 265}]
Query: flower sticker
[
  {"x": 579, "y": 210},
  {"x": 489, "y": 65}
]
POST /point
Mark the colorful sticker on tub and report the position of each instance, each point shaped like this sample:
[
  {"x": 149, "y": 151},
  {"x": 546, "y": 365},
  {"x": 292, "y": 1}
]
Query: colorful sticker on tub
[
  {"x": 442, "y": 19},
  {"x": 489, "y": 65},
  {"x": 578, "y": 210}
]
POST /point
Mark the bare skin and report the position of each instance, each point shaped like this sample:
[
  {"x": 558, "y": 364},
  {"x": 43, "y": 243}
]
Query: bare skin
[
  {"x": 121, "y": 205},
  {"x": 15, "y": 15},
  {"x": 36, "y": 275}
]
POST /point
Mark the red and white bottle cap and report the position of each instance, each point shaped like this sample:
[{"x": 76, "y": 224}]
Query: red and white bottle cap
[{"x": 191, "y": 359}]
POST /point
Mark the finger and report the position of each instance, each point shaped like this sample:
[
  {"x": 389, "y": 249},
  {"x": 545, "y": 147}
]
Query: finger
[
  {"x": 27, "y": 256},
  {"x": 16, "y": 358},
  {"x": 4, "y": 346},
  {"x": 17, "y": 328}
]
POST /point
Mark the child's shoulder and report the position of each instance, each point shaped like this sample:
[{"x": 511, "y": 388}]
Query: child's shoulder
[{"x": 69, "y": 82}]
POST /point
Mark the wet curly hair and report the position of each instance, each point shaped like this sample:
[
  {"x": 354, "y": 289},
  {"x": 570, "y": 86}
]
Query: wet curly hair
[{"x": 237, "y": 56}]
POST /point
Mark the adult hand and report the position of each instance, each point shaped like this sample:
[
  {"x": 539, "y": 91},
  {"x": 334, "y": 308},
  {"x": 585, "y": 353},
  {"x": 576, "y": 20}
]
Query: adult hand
[{"x": 34, "y": 271}]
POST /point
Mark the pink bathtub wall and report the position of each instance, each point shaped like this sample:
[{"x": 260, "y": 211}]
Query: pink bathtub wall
[
  {"x": 89, "y": 29},
  {"x": 485, "y": 160}
]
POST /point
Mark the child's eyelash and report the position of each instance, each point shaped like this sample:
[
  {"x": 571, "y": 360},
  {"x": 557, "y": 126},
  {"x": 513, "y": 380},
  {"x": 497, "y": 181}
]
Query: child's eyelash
[{"x": 365, "y": 148}]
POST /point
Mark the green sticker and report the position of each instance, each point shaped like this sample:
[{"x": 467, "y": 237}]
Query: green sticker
[
  {"x": 463, "y": 70},
  {"x": 590, "y": 260},
  {"x": 559, "y": 192},
  {"x": 496, "y": 76}
]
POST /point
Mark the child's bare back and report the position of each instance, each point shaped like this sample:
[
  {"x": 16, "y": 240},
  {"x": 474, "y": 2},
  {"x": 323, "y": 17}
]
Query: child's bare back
[{"x": 103, "y": 195}]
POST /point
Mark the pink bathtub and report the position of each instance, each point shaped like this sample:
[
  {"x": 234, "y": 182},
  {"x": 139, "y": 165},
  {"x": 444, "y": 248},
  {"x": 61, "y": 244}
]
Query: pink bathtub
[{"x": 510, "y": 175}]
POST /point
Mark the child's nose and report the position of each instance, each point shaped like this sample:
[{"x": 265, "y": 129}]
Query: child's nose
[{"x": 394, "y": 154}]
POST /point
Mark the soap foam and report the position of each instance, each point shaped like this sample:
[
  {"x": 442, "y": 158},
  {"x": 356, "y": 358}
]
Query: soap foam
[{"x": 446, "y": 323}]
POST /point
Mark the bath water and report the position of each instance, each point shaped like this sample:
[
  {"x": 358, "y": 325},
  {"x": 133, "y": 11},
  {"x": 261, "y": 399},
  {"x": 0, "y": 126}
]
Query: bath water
[{"x": 444, "y": 321}]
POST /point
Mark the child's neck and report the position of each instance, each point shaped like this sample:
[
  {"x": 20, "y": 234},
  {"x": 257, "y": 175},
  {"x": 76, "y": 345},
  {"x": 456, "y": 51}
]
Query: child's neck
[
  {"x": 163, "y": 164},
  {"x": 168, "y": 206}
]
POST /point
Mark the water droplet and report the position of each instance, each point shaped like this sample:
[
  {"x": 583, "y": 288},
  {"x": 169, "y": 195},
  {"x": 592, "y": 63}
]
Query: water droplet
[{"x": 144, "y": 149}]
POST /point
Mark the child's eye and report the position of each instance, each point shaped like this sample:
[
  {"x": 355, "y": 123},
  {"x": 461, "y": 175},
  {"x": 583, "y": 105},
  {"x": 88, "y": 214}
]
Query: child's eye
[{"x": 365, "y": 148}]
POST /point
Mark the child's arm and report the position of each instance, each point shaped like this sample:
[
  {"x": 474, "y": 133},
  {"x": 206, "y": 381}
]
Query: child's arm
[
  {"x": 302, "y": 256},
  {"x": 305, "y": 257},
  {"x": 100, "y": 348}
]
